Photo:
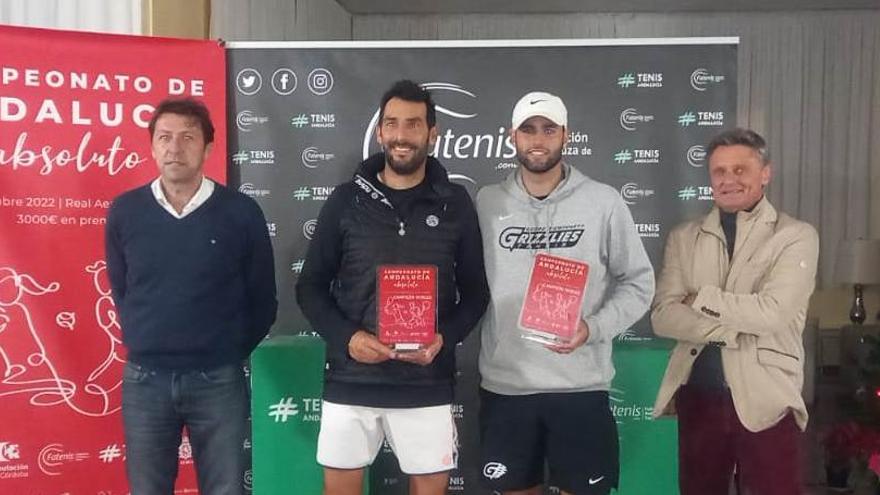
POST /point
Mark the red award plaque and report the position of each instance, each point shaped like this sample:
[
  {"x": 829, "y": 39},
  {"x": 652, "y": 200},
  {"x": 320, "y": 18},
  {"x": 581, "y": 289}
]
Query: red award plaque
[
  {"x": 406, "y": 305},
  {"x": 551, "y": 309}
]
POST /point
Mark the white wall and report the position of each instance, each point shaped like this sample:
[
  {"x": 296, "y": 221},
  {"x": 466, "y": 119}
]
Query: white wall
[{"x": 110, "y": 16}]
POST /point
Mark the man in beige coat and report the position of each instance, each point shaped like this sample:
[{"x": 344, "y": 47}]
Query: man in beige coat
[{"x": 734, "y": 291}]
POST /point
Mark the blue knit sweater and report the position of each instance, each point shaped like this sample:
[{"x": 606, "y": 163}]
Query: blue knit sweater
[{"x": 192, "y": 293}]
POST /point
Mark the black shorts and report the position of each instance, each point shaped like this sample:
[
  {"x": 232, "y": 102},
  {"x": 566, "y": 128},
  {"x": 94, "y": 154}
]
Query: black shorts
[{"x": 574, "y": 432}]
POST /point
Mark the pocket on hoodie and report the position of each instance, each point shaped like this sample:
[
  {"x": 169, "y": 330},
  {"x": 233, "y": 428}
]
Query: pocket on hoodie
[{"x": 786, "y": 362}]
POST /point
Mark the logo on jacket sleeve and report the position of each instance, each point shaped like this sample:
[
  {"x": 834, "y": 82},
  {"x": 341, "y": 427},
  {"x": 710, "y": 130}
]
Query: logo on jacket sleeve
[
  {"x": 432, "y": 221},
  {"x": 518, "y": 237}
]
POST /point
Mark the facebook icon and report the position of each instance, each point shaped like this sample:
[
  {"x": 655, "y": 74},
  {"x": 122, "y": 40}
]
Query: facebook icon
[{"x": 284, "y": 81}]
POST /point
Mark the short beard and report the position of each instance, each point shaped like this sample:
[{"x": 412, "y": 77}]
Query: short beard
[
  {"x": 407, "y": 167},
  {"x": 539, "y": 167}
]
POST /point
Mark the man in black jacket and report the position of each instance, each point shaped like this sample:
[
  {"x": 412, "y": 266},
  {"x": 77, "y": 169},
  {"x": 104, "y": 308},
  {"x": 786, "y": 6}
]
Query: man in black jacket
[{"x": 400, "y": 208}]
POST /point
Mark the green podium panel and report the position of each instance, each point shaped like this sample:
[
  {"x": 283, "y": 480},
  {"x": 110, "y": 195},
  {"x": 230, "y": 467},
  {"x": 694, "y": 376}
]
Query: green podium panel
[
  {"x": 287, "y": 375},
  {"x": 648, "y": 447}
]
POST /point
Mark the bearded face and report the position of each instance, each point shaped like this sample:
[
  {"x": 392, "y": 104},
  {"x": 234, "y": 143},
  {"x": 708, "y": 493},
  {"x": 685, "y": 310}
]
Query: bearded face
[
  {"x": 539, "y": 144},
  {"x": 405, "y": 136}
]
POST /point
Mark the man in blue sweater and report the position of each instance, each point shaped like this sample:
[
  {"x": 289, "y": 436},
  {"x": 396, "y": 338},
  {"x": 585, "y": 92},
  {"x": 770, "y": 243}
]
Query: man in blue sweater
[{"x": 191, "y": 267}]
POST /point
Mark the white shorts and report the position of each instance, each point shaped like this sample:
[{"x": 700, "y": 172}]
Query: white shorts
[{"x": 423, "y": 438}]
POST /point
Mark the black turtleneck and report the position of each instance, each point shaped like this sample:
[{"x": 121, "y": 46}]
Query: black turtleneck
[
  {"x": 728, "y": 225},
  {"x": 708, "y": 371}
]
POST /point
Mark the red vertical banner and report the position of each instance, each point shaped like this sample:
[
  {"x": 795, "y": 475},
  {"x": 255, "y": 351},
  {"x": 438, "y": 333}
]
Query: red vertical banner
[{"x": 74, "y": 109}]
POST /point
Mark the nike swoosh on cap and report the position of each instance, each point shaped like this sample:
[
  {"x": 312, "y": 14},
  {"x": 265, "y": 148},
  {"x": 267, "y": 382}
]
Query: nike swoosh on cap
[{"x": 535, "y": 101}]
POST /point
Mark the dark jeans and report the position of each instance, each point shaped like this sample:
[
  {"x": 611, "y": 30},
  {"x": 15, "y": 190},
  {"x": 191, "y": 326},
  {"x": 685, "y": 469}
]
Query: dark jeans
[
  {"x": 712, "y": 442},
  {"x": 212, "y": 405}
]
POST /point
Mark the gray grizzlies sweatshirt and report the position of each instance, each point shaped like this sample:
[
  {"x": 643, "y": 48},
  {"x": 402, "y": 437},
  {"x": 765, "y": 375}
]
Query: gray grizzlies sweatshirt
[{"x": 581, "y": 219}]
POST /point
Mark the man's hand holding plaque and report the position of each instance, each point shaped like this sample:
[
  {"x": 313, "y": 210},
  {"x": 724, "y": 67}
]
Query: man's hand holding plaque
[
  {"x": 424, "y": 356},
  {"x": 365, "y": 348},
  {"x": 580, "y": 336}
]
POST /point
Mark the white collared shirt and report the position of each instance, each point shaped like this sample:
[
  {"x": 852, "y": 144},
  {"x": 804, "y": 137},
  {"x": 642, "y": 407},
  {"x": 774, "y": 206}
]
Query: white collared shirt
[{"x": 199, "y": 198}]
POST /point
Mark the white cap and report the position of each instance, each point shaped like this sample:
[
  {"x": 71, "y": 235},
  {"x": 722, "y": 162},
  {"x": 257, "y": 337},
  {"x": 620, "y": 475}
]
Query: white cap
[{"x": 540, "y": 104}]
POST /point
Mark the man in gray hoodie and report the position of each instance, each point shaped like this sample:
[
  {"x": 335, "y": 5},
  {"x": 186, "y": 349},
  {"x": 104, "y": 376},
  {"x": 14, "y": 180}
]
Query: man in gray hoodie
[{"x": 550, "y": 402}]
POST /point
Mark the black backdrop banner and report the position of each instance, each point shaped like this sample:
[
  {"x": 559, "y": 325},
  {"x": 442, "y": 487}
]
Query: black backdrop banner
[{"x": 302, "y": 115}]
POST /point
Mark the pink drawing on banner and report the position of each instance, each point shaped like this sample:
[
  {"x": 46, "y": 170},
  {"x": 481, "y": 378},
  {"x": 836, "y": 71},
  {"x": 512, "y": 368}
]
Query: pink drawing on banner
[
  {"x": 66, "y": 319},
  {"x": 25, "y": 365},
  {"x": 106, "y": 377}
]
